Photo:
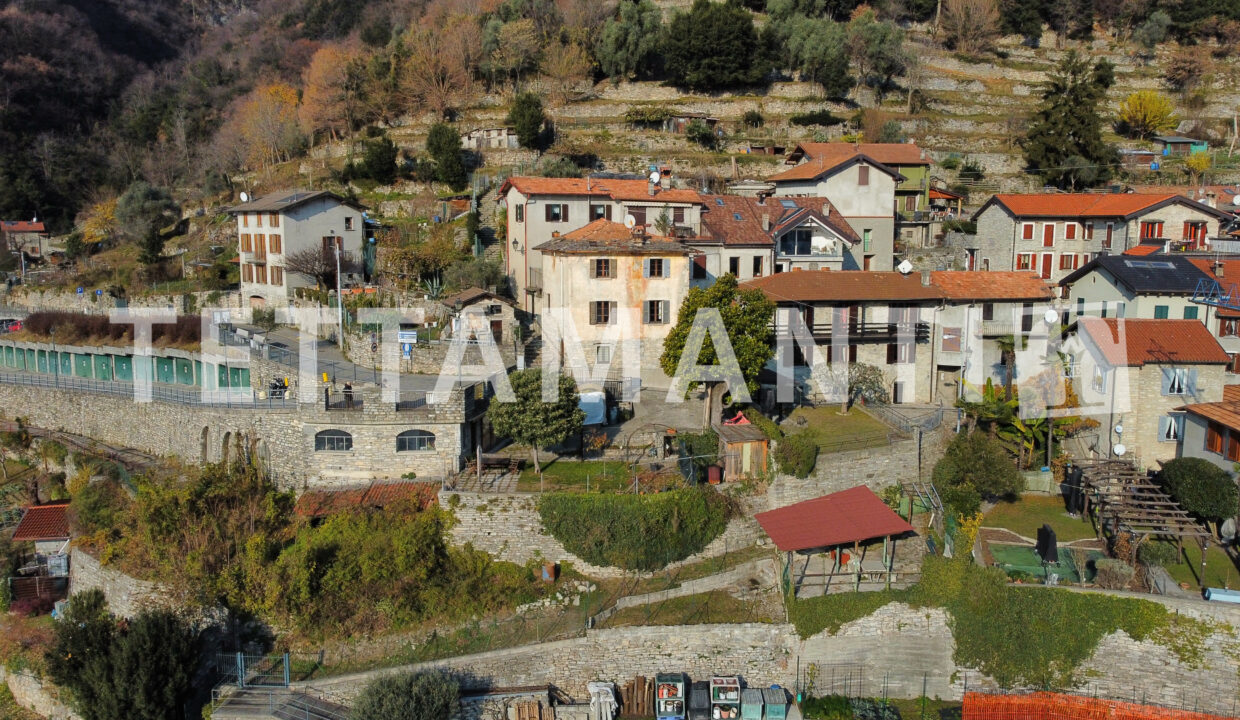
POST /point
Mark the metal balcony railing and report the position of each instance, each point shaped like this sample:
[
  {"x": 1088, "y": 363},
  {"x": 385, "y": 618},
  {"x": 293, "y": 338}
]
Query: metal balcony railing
[{"x": 866, "y": 332}]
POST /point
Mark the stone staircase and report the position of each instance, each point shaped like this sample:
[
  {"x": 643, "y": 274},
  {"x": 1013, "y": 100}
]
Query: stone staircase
[{"x": 489, "y": 231}]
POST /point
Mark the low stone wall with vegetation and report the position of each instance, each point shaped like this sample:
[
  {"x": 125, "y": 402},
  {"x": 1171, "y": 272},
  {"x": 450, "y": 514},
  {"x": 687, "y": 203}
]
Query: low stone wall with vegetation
[{"x": 875, "y": 468}]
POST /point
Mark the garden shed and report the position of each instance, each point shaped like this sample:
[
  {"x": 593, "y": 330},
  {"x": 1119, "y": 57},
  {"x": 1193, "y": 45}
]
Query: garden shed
[
  {"x": 742, "y": 448},
  {"x": 840, "y": 527}
]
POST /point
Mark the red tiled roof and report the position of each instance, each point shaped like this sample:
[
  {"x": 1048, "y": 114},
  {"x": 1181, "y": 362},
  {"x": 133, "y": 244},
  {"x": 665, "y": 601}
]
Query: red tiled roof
[
  {"x": 719, "y": 218},
  {"x": 1226, "y": 412},
  {"x": 22, "y": 226},
  {"x": 1231, "y": 269},
  {"x": 844, "y": 286},
  {"x": 1144, "y": 249},
  {"x": 1081, "y": 204},
  {"x": 635, "y": 190},
  {"x": 318, "y": 503},
  {"x": 612, "y": 237},
  {"x": 991, "y": 285},
  {"x": 1231, "y": 393},
  {"x": 1223, "y": 194},
  {"x": 43, "y": 522},
  {"x": 1181, "y": 342},
  {"x": 840, "y": 518},
  {"x": 936, "y": 194}
]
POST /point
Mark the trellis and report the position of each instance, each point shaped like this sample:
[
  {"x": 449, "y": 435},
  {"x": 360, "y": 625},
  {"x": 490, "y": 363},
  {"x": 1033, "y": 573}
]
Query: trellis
[{"x": 1122, "y": 498}]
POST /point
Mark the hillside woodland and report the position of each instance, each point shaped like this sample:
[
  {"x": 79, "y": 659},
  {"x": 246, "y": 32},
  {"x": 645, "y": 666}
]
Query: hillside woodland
[{"x": 119, "y": 116}]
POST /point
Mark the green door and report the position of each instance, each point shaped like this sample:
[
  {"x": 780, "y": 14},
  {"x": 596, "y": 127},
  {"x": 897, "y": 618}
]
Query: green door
[
  {"x": 103, "y": 367},
  {"x": 164, "y": 371},
  {"x": 66, "y": 363},
  {"x": 82, "y": 365},
  {"x": 41, "y": 356},
  {"x": 122, "y": 367},
  {"x": 184, "y": 370}
]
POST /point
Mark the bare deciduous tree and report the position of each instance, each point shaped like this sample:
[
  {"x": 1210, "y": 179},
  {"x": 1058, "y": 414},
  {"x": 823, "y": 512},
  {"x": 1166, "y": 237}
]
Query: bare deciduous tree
[
  {"x": 970, "y": 26},
  {"x": 319, "y": 264},
  {"x": 566, "y": 67},
  {"x": 439, "y": 70}
]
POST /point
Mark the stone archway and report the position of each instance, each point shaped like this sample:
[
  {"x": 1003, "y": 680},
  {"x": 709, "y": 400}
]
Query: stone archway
[{"x": 224, "y": 447}]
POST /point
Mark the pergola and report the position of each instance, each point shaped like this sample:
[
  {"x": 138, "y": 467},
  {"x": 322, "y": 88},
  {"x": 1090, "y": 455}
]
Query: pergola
[
  {"x": 1124, "y": 498},
  {"x": 831, "y": 525}
]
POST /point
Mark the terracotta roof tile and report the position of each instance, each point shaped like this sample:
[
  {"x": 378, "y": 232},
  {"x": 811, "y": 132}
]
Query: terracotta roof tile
[
  {"x": 319, "y": 503},
  {"x": 635, "y": 190},
  {"x": 1231, "y": 269},
  {"x": 885, "y": 153},
  {"x": 844, "y": 286},
  {"x": 1226, "y": 412},
  {"x": 840, "y": 518},
  {"x": 720, "y": 221},
  {"x": 1231, "y": 393},
  {"x": 937, "y": 194},
  {"x": 43, "y": 522},
  {"x": 818, "y": 166},
  {"x": 22, "y": 226},
  {"x": 1135, "y": 343},
  {"x": 604, "y": 235},
  {"x": 472, "y": 295},
  {"x": 970, "y": 285},
  {"x": 1098, "y": 205},
  {"x": 1144, "y": 249}
]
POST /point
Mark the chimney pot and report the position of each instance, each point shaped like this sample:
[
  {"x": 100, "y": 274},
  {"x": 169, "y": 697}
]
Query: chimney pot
[
  {"x": 1218, "y": 269},
  {"x": 925, "y": 278},
  {"x": 555, "y": 233}
]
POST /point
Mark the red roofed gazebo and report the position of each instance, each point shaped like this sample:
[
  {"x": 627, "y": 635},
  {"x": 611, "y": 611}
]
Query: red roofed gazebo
[{"x": 834, "y": 524}]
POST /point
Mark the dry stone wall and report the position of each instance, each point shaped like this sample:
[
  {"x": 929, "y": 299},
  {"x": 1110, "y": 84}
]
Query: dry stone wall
[
  {"x": 32, "y": 693},
  {"x": 876, "y": 468},
  {"x": 127, "y": 596}
]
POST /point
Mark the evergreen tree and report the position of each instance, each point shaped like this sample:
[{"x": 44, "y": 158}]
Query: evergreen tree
[
  {"x": 379, "y": 160},
  {"x": 443, "y": 143},
  {"x": 528, "y": 118},
  {"x": 817, "y": 47},
  {"x": 746, "y": 316},
  {"x": 530, "y": 421},
  {"x": 629, "y": 45},
  {"x": 713, "y": 46},
  {"x": 1065, "y": 144}
]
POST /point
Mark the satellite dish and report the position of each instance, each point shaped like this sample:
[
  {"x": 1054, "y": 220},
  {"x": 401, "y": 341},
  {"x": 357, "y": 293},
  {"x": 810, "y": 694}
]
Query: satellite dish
[
  {"x": 1119, "y": 429},
  {"x": 905, "y": 267},
  {"x": 1051, "y": 317},
  {"x": 1228, "y": 530},
  {"x": 245, "y": 197},
  {"x": 1120, "y": 449},
  {"x": 655, "y": 177},
  {"x": 630, "y": 222}
]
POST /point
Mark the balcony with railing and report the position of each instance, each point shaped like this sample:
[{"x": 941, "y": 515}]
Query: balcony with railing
[{"x": 859, "y": 332}]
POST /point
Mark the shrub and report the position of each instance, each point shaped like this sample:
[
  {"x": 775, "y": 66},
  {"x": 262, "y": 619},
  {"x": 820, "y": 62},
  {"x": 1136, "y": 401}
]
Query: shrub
[
  {"x": 32, "y": 606},
  {"x": 873, "y": 709},
  {"x": 1200, "y": 487},
  {"x": 753, "y": 119},
  {"x": 796, "y": 454},
  {"x": 409, "y": 696},
  {"x": 816, "y": 117},
  {"x": 764, "y": 423},
  {"x": 950, "y": 163},
  {"x": 974, "y": 466},
  {"x": 1157, "y": 554},
  {"x": 968, "y": 227},
  {"x": 98, "y": 507},
  {"x": 701, "y": 133},
  {"x": 830, "y": 707},
  {"x": 1113, "y": 574},
  {"x": 703, "y": 447},
  {"x": 972, "y": 170},
  {"x": 635, "y": 532}
]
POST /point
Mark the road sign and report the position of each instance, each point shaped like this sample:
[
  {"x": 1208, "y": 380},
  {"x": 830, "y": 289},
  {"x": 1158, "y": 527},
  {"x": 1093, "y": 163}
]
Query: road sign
[
  {"x": 81, "y": 290},
  {"x": 99, "y": 293}
]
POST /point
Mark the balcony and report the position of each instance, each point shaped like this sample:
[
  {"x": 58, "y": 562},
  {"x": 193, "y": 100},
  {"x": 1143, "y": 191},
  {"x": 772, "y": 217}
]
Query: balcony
[
  {"x": 866, "y": 332},
  {"x": 535, "y": 284},
  {"x": 254, "y": 257}
]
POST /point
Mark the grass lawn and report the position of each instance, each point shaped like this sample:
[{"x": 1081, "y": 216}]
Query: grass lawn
[
  {"x": 1220, "y": 571},
  {"x": 716, "y": 606},
  {"x": 1025, "y": 516},
  {"x": 577, "y": 476},
  {"x": 927, "y": 709},
  {"x": 835, "y": 432}
]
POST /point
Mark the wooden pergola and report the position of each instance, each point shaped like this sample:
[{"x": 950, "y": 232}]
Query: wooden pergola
[{"x": 1123, "y": 498}]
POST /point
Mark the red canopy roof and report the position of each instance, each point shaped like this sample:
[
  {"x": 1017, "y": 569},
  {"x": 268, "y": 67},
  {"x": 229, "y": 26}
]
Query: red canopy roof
[
  {"x": 840, "y": 518},
  {"x": 43, "y": 522}
]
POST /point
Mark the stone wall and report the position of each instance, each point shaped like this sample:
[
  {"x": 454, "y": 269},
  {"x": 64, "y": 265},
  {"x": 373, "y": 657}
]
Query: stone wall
[
  {"x": 31, "y": 692},
  {"x": 876, "y": 468},
  {"x": 508, "y": 527},
  {"x": 281, "y": 436},
  {"x": 32, "y": 300},
  {"x": 127, "y": 596}
]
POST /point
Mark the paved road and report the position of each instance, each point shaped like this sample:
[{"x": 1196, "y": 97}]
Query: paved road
[{"x": 333, "y": 361}]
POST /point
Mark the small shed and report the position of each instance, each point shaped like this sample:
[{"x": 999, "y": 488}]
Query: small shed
[
  {"x": 679, "y": 122},
  {"x": 501, "y": 138},
  {"x": 743, "y": 449},
  {"x": 477, "y": 310},
  {"x": 836, "y": 526},
  {"x": 1180, "y": 145},
  {"x": 47, "y": 526}
]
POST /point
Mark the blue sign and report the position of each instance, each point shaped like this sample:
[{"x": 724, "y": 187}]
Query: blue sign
[
  {"x": 1154, "y": 166},
  {"x": 99, "y": 293},
  {"x": 81, "y": 290}
]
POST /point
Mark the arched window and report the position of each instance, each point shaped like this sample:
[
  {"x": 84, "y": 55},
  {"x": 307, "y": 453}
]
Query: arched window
[
  {"x": 333, "y": 440},
  {"x": 415, "y": 441}
]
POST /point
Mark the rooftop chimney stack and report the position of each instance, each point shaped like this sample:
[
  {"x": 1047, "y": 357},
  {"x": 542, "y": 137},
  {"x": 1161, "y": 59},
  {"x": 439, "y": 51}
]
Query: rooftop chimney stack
[
  {"x": 650, "y": 188},
  {"x": 1218, "y": 269},
  {"x": 766, "y": 222},
  {"x": 665, "y": 178},
  {"x": 925, "y": 278},
  {"x": 826, "y": 208}
]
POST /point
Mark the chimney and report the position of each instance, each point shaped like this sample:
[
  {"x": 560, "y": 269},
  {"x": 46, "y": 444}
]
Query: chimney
[
  {"x": 925, "y": 278},
  {"x": 826, "y": 208},
  {"x": 1218, "y": 269},
  {"x": 766, "y": 222},
  {"x": 761, "y": 198},
  {"x": 665, "y": 178},
  {"x": 555, "y": 233},
  {"x": 650, "y": 188}
]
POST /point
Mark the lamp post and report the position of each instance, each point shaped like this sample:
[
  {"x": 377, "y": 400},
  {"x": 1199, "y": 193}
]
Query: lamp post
[{"x": 339, "y": 296}]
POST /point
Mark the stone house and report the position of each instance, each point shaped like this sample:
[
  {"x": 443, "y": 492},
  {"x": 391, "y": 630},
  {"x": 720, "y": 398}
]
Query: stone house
[
  {"x": 1157, "y": 287},
  {"x": 1212, "y": 430},
  {"x": 1054, "y": 234},
  {"x": 500, "y": 138},
  {"x": 749, "y": 237},
  {"x": 275, "y": 226},
  {"x": 28, "y": 236},
  {"x": 980, "y": 309},
  {"x": 622, "y": 289},
  {"x": 912, "y": 200},
  {"x": 474, "y": 310},
  {"x": 540, "y": 208},
  {"x": 1135, "y": 375},
  {"x": 877, "y": 318}
]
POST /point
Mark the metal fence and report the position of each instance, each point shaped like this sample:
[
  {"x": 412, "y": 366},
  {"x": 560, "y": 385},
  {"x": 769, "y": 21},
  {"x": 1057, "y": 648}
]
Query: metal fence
[
  {"x": 231, "y": 398},
  {"x": 904, "y": 422}
]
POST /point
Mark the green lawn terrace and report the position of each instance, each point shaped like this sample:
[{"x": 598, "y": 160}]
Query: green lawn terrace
[{"x": 836, "y": 431}]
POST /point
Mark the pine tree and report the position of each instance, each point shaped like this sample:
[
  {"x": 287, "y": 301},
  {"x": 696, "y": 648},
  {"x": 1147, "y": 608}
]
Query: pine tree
[
  {"x": 1065, "y": 144},
  {"x": 443, "y": 143}
]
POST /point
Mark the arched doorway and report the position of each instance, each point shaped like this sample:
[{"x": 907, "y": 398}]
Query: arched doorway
[
  {"x": 258, "y": 301},
  {"x": 224, "y": 447}
]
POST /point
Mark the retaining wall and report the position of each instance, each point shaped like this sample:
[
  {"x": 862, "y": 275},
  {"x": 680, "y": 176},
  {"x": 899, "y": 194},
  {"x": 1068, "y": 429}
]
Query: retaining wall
[
  {"x": 875, "y": 468},
  {"x": 31, "y": 692}
]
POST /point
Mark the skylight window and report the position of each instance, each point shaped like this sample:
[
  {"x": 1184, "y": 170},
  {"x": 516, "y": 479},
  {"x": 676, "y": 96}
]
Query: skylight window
[
  {"x": 736, "y": 216},
  {"x": 1150, "y": 264},
  {"x": 719, "y": 202},
  {"x": 788, "y": 204}
]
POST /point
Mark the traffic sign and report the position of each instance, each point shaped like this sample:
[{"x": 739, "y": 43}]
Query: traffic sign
[{"x": 81, "y": 290}]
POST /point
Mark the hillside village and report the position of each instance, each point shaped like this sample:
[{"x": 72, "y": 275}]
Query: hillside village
[{"x": 646, "y": 360}]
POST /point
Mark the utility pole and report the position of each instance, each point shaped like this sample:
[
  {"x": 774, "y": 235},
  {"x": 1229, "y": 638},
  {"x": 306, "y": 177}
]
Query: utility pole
[{"x": 339, "y": 296}]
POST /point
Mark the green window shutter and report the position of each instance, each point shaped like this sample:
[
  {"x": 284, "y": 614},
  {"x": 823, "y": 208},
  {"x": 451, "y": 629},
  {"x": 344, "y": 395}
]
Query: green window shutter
[
  {"x": 1161, "y": 312},
  {"x": 1190, "y": 313}
]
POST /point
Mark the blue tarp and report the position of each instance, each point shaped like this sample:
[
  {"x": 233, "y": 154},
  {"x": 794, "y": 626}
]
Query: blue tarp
[{"x": 594, "y": 404}]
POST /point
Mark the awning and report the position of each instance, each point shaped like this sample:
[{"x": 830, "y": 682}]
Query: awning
[{"x": 841, "y": 518}]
